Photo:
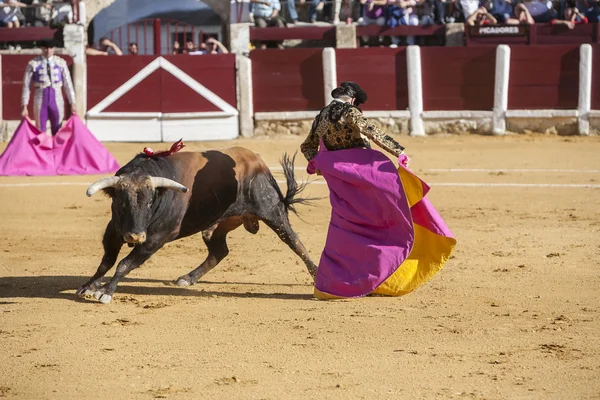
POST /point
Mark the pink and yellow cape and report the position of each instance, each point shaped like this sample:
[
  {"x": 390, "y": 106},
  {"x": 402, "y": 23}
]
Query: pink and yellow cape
[{"x": 384, "y": 237}]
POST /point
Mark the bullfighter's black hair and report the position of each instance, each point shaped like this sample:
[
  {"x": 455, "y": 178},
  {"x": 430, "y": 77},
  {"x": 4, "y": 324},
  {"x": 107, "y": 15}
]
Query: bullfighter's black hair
[{"x": 350, "y": 89}]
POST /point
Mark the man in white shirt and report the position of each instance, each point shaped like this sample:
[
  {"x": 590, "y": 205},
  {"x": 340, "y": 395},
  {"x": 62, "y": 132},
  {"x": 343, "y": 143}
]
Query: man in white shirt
[{"x": 266, "y": 13}]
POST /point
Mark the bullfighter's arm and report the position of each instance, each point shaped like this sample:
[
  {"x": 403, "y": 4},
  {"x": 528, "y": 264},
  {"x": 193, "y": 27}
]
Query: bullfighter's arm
[
  {"x": 68, "y": 83},
  {"x": 353, "y": 117},
  {"x": 25, "y": 93},
  {"x": 310, "y": 147}
]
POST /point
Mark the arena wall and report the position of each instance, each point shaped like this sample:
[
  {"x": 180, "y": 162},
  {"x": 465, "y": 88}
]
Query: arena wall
[{"x": 411, "y": 90}]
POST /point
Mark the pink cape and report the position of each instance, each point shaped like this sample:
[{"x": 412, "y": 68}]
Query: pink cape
[
  {"x": 373, "y": 228},
  {"x": 72, "y": 151}
]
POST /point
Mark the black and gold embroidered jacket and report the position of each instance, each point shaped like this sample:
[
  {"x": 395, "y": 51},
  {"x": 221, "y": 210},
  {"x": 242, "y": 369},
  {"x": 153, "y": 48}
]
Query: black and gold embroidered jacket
[{"x": 342, "y": 126}]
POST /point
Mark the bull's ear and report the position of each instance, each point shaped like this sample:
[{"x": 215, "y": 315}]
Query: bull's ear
[{"x": 109, "y": 191}]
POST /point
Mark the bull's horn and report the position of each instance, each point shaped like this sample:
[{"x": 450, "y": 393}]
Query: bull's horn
[
  {"x": 160, "y": 182},
  {"x": 102, "y": 184}
]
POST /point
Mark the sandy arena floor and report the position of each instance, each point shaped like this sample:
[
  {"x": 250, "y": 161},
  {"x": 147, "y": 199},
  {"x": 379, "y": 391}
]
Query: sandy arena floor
[{"x": 514, "y": 314}]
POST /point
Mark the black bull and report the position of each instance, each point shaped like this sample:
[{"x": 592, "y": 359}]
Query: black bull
[{"x": 151, "y": 206}]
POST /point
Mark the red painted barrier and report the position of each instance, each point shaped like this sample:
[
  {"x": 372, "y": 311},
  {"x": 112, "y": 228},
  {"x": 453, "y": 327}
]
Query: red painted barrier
[
  {"x": 543, "y": 77},
  {"x": 13, "y": 70},
  {"x": 381, "y": 72},
  {"x": 287, "y": 80},
  {"x": 458, "y": 78},
  {"x": 161, "y": 91},
  {"x": 596, "y": 77}
]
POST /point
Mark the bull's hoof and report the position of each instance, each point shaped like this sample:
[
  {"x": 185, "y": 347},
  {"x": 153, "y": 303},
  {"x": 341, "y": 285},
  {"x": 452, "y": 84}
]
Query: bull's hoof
[
  {"x": 84, "y": 292},
  {"x": 183, "y": 282},
  {"x": 105, "y": 298}
]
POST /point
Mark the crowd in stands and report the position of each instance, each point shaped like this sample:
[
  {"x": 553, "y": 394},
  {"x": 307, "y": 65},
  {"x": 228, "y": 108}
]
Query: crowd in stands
[
  {"x": 209, "y": 45},
  {"x": 21, "y": 13},
  {"x": 393, "y": 13}
]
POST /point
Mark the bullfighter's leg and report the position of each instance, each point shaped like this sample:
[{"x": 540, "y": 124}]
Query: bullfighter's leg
[
  {"x": 279, "y": 222},
  {"x": 139, "y": 255},
  {"x": 40, "y": 109},
  {"x": 112, "y": 246},
  {"x": 216, "y": 241},
  {"x": 56, "y": 110}
]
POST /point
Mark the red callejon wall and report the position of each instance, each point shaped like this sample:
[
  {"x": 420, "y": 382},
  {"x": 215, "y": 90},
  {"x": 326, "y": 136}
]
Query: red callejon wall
[
  {"x": 458, "y": 78},
  {"x": 13, "y": 70},
  {"x": 544, "y": 77},
  {"x": 596, "y": 76},
  {"x": 381, "y": 72},
  {"x": 287, "y": 80},
  {"x": 161, "y": 91}
]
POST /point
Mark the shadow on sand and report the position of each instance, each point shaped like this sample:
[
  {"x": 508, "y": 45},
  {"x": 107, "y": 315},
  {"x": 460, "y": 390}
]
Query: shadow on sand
[{"x": 63, "y": 287}]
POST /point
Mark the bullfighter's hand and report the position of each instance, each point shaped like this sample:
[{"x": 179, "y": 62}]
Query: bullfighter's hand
[{"x": 24, "y": 111}]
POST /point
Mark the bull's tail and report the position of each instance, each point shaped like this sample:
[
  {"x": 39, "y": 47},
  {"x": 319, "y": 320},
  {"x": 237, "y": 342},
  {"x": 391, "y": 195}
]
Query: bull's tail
[{"x": 293, "y": 187}]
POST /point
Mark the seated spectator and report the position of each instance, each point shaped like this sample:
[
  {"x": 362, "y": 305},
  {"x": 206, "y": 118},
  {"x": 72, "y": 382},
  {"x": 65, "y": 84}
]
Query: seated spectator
[
  {"x": 532, "y": 11},
  {"x": 331, "y": 10},
  {"x": 266, "y": 14},
  {"x": 426, "y": 11},
  {"x": 9, "y": 11},
  {"x": 573, "y": 14},
  {"x": 374, "y": 12},
  {"x": 42, "y": 14},
  {"x": 315, "y": 6},
  {"x": 291, "y": 5},
  {"x": 502, "y": 11},
  {"x": 593, "y": 13},
  {"x": 481, "y": 17},
  {"x": 62, "y": 13},
  {"x": 133, "y": 48},
  {"x": 401, "y": 12},
  {"x": 106, "y": 48},
  {"x": 445, "y": 11},
  {"x": 469, "y": 8}
]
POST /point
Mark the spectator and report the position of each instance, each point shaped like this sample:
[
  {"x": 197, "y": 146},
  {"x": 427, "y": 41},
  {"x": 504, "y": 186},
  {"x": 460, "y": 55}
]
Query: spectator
[
  {"x": 315, "y": 6},
  {"x": 426, "y": 11},
  {"x": 62, "y": 13},
  {"x": 402, "y": 12},
  {"x": 213, "y": 46},
  {"x": 266, "y": 13},
  {"x": 42, "y": 14},
  {"x": 332, "y": 10},
  {"x": 9, "y": 13},
  {"x": 481, "y": 17},
  {"x": 469, "y": 8},
  {"x": 502, "y": 11},
  {"x": 374, "y": 12},
  {"x": 442, "y": 14},
  {"x": 291, "y": 5},
  {"x": 532, "y": 11},
  {"x": 190, "y": 47},
  {"x": 176, "y": 48},
  {"x": 133, "y": 48},
  {"x": 106, "y": 48},
  {"x": 593, "y": 13},
  {"x": 573, "y": 14}
]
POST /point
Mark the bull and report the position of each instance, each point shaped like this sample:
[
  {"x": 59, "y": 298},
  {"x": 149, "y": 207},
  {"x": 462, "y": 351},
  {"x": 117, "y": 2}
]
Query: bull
[{"x": 156, "y": 200}]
